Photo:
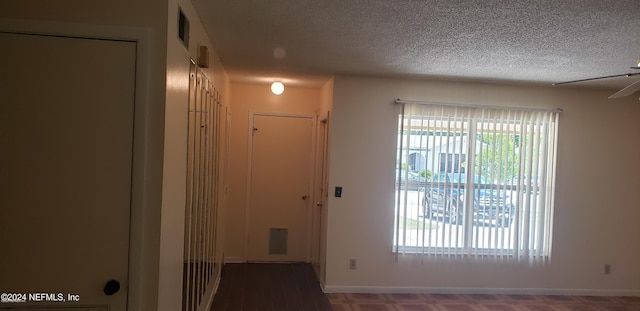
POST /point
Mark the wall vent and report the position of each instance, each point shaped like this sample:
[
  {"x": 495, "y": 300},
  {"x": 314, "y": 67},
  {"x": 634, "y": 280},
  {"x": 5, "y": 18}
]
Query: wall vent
[
  {"x": 278, "y": 241},
  {"x": 183, "y": 28}
]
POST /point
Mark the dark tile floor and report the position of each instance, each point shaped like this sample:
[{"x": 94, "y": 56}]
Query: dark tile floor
[{"x": 429, "y": 302}]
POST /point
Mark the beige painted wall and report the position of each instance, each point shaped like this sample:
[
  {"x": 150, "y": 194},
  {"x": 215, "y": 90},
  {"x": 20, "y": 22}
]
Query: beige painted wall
[
  {"x": 254, "y": 98},
  {"x": 597, "y": 219}
]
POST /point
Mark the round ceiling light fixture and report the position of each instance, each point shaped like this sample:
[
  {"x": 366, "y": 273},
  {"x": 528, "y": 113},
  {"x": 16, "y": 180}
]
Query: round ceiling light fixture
[{"x": 277, "y": 87}]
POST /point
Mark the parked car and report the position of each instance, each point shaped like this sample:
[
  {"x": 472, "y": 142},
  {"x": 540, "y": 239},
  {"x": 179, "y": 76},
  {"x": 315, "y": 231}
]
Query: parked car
[
  {"x": 410, "y": 180},
  {"x": 445, "y": 197}
]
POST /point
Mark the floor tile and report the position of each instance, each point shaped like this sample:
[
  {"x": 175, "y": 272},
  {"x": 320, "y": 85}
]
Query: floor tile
[
  {"x": 497, "y": 307},
  {"x": 417, "y": 307},
  {"x": 373, "y": 307},
  {"x": 459, "y": 307}
]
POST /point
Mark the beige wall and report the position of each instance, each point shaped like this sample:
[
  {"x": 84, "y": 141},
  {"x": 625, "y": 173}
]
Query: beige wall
[
  {"x": 596, "y": 219},
  {"x": 254, "y": 98}
]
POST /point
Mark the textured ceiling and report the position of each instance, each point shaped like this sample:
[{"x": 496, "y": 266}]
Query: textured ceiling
[{"x": 304, "y": 42}]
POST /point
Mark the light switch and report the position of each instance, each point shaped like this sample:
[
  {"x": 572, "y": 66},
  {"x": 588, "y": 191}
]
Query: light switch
[{"x": 338, "y": 192}]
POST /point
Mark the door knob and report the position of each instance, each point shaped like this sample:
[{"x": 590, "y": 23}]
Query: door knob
[
  {"x": 319, "y": 204},
  {"x": 304, "y": 197},
  {"x": 111, "y": 287}
]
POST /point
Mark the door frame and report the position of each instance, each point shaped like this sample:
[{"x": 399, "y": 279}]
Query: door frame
[
  {"x": 141, "y": 206},
  {"x": 312, "y": 163},
  {"x": 321, "y": 188}
]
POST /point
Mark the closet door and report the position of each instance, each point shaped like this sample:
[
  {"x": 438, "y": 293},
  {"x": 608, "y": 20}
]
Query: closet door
[{"x": 66, "y": 131}]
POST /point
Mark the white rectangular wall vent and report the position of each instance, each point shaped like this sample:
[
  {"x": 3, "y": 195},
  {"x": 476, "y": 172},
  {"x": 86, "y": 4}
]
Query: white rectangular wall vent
[{"x": 278, "y": 241}]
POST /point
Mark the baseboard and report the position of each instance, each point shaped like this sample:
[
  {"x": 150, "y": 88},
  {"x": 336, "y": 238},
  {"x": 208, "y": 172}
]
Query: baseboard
[
  {"x": 478, "y": 290},
  {"x": 234, "y": 260}
]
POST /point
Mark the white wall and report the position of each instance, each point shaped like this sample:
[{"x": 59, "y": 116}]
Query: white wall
[{"x": 596, "y": 221}]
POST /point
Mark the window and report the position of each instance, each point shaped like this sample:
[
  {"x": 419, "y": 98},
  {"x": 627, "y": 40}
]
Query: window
[{"x": 487, "y": 183}]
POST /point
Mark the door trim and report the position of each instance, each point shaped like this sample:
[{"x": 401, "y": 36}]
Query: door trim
[
  {"x": 321, "y": 189},
  {"x": 247, "y": 209},
  {"x": 141, "y": 193}
]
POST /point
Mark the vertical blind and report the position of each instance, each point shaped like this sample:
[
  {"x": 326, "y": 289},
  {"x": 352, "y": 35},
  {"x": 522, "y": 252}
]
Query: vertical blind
[{"x": 475, "y": 181}]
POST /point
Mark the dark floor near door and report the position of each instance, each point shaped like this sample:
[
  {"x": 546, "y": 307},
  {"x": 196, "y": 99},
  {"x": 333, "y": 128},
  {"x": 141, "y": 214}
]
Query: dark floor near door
[{"x": 269, "y": 287}]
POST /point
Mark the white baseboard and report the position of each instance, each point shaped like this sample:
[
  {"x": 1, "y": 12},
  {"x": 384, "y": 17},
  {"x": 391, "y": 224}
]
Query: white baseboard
[
  {"x": 478, "y": 290},
  {"x": 234, "y": 260},
  {"x": 322, "y": 286}
]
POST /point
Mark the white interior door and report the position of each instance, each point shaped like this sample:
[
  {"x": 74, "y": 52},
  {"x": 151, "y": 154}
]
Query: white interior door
[
  {"x": 281, "y": 167},
  {"x": 66, "y": 131}
]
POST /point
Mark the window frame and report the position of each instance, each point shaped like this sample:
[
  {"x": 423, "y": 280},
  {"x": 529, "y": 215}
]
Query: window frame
[{"x": 468, "y": 156}]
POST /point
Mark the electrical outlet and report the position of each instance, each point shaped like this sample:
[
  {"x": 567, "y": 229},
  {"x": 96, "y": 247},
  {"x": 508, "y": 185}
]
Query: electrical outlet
[
  {"x": 352, "y": 264},
  {"x": 607, "y": 268}
]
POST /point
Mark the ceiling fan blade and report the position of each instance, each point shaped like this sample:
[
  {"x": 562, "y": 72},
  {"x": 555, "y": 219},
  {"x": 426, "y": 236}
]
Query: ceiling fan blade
[
  {"x": 598, "y": 78},
  {"x": 630, "y": 89}
]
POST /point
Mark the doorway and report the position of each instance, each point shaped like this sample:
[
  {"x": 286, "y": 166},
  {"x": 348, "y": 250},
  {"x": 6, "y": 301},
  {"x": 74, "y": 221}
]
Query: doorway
[
  {"x": 66, "y": 186},
  {"x": 280, "y": 187}
]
